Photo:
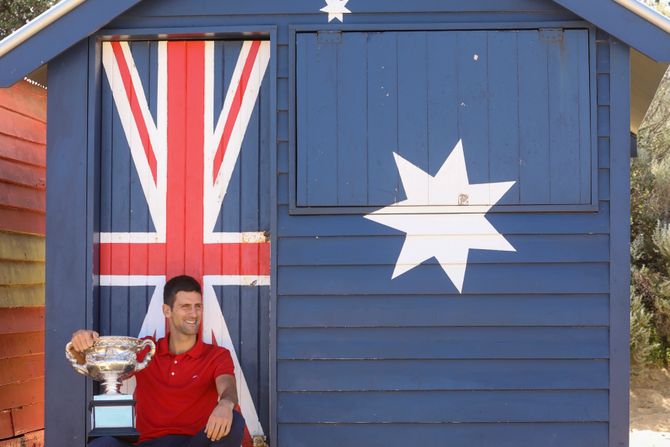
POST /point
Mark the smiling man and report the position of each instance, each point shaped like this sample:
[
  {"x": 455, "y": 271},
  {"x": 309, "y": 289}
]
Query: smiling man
[{"x": 187, "y": 394}]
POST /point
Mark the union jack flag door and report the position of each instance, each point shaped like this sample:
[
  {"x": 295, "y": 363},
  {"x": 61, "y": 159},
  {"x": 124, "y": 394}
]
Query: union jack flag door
[{"x": 185, "y": 189}]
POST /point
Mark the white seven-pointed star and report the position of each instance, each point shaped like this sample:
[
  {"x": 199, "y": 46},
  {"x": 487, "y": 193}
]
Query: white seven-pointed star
[
  {"x": 336, "y": 9},
  {"x": 447, "y": 237}
]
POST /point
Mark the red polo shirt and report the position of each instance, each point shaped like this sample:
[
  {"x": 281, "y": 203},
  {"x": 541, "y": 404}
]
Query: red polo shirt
[{"x": 176, "y": 394}]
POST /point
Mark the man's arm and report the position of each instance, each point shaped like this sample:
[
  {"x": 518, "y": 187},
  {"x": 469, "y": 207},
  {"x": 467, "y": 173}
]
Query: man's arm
[{"x": 221, "y": 419}]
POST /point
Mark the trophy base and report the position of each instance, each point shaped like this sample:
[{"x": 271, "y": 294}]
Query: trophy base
[{"x": 113, "y": 415}]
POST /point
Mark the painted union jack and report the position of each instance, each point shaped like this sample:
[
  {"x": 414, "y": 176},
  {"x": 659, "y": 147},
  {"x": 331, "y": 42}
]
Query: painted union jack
[{"x": 185, "y": 203}]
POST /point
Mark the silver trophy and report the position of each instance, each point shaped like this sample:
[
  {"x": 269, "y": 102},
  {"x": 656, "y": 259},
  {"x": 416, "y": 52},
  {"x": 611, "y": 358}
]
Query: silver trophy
[{"x": 111, "y": 360}]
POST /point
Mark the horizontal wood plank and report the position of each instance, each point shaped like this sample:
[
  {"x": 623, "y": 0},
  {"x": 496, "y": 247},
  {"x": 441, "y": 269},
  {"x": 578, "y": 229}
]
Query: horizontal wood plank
[
  {"x": 21, "y": 126},
  {"x": 406, "y": 375},
  {"x": 28, "y": 152},
  {"x": 453, "y": 435},
  {"x": 26, "y": 99},
  {"x": 505, "y": 223},
  {"x": 22, "y": 296},
  {"x": 444, "y": 343},
  {"x": 28, "y": 418},
  {"x": 20, "y": 394},
  {"x": 431, "y": 279},
  {"x": 6, "y": 426},
  {"x": 20, "y": 369},
  {"x": 12, "y": 272},
  {"x": 21, "y": 319},
  {"x": 23, "y": 221},
  {"x": 20, "y": 247},
  {"x": 442, "y": 310},
  {"x": 33, "y": 439},
  {"x": 16, "y": 345},
  {"x": 384, "y": 250},
  {"x": 21, "y": 174},
  {"x": 443, "y": 407},
  {"x": 21, "y": 197}
]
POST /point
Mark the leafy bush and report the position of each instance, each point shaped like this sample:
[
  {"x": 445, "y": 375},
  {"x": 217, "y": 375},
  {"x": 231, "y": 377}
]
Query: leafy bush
[{"x": 16, "y": 13}]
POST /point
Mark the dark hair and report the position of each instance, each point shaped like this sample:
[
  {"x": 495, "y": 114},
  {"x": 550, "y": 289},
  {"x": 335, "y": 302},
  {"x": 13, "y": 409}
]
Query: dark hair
[{"x": 183, "y": 283}]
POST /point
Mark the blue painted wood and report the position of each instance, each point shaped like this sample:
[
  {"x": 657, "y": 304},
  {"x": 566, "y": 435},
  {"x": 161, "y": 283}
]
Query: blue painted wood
[
  {"x": 382, "y": 117},
  {"x": 408, "y": 375},
  {"x": 482, "y": 89},
  {"x": 619, "y": 247},
  {"x": 431, "y": 279},
  {"x": 67, "y": 254},
  {"x": 443, "y": 310},
  {"x": 51, "y": 41},
  {"x": 457, "y": 435},
  {"x": 383, "y": 250},
  {"x": 624, "y": 25},
  {"x": 503, "y": 99},
  {"x": 352, "y": 163},
  {"x": 444, "y": 406},
  {"x": 444, "y": 343}
]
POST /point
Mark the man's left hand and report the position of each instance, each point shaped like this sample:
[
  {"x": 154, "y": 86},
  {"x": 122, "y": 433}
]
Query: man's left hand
[{"x": 220, "y": 421}]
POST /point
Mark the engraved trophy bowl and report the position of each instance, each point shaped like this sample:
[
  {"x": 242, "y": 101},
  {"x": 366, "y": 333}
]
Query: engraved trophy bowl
[{"x": 111, "y": 360}]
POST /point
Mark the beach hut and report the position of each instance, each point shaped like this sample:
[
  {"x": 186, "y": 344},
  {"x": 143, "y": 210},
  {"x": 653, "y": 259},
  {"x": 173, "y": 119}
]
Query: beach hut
[{"x": 410, "y": 219}]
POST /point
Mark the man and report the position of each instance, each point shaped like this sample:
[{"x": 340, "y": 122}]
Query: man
[{"x": 186, "y": 395}]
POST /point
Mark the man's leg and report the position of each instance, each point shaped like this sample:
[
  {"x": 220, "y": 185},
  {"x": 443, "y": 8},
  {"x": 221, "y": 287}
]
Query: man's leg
[
  {"x": 107, "y": 441},
  {"x": 232, "y": 439}
]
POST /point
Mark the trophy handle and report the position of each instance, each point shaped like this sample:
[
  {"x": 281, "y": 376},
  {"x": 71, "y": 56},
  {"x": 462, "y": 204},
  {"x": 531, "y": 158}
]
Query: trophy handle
[
  {"x": 148, "y": 357},
  {"x": 69, "y": 354}
]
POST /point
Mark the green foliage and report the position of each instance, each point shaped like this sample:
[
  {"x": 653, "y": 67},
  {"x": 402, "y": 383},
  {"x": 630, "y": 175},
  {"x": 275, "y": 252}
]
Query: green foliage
[
  {"x": 650, "y": 237},
  {"x": 15, "y": 13}
]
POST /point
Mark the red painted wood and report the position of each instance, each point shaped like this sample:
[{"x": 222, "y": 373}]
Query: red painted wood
[
  {"x": 22, "y": 127},
  {"x": 6, "y": 426},
  {"x": 28, "y": 418},
  {"x": 19, "y": 394},
  {"x": 27, "y": 99},
  {"x": 16, "y": 345},
  {"x": 34, "y": 439},
  {"x": 12, "y": 148},
  {"x": 22, "y": 221},
  {"x": 19, "y": 369},
  {"x": 21, "y": 319},
  {"x": 25, "y": 175},
  {"x": 14, "y": 196}
]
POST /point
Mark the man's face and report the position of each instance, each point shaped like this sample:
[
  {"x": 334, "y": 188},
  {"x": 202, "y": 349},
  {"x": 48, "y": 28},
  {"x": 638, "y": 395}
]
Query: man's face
[{"x": 186, "y": 313}]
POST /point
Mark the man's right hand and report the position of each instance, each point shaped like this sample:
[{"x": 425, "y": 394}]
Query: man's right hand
[{"x": 83, "y": 339}]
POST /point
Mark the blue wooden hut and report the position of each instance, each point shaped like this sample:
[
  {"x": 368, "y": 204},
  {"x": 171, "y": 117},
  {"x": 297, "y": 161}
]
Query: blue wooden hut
[{"x": 410, "y": 219}]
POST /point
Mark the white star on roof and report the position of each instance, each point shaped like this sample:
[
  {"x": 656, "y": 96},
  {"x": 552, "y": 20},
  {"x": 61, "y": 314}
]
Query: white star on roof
[
  {"x": 336, "y": 9},
  {"x": 447, "y": 237}
]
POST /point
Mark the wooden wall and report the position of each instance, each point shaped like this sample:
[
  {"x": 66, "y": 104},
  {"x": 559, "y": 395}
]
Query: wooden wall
[{"x": 22, "y": 230}]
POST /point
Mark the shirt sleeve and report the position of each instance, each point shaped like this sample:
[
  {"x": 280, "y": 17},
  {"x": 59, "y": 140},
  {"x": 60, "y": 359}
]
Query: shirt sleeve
[{"x": 224, "y": 363}]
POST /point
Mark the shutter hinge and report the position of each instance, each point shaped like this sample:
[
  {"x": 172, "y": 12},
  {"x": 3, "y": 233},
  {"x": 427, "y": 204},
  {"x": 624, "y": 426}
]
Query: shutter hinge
[{"x": 329, "y": 37}]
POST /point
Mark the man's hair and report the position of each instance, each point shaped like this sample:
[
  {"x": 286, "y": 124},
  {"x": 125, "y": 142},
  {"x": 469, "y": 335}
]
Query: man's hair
[{"x": 183, "y": 283}]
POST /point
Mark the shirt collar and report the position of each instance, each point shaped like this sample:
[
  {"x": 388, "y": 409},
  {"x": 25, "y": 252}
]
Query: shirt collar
[{"x": 163, "y": 348}]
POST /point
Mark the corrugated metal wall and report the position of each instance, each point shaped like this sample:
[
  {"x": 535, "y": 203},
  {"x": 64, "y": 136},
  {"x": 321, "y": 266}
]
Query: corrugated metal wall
[{"x": 22, "y": 229}]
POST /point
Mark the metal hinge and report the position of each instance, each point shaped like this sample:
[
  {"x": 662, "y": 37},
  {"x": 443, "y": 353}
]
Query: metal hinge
[
  {"x": 551, "y": 34},
  {"x": 329, "y": 37}
]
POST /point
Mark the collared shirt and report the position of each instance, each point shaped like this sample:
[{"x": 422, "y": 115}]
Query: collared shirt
[{"x": 175, "y": 394}]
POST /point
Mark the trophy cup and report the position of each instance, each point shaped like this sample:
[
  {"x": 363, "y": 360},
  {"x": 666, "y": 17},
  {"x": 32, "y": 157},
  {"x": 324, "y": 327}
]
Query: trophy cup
[{"x": 111, "y": 360}]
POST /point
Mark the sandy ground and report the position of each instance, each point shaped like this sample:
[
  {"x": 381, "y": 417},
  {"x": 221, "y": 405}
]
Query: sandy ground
[{"x": 650, "y": 409}]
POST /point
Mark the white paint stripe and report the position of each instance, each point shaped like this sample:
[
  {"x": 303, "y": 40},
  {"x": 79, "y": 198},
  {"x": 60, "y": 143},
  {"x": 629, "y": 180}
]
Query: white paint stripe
[
  {"x": 131, "y": 238},
  {"x": 215, "y": 194},
  {"x": 131, "y": 280},
  {"x": 237, "y": 280},
  {"x": 257, "y": 237},
  {"x": 155, "y": 193},
  {"x": 214, "y": 322}
]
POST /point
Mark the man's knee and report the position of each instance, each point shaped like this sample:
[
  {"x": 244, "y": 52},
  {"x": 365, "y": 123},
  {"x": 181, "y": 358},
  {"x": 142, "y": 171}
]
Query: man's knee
[
  {"x": 106, "y": 441},
  {"x": 236, "y": 433}
]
